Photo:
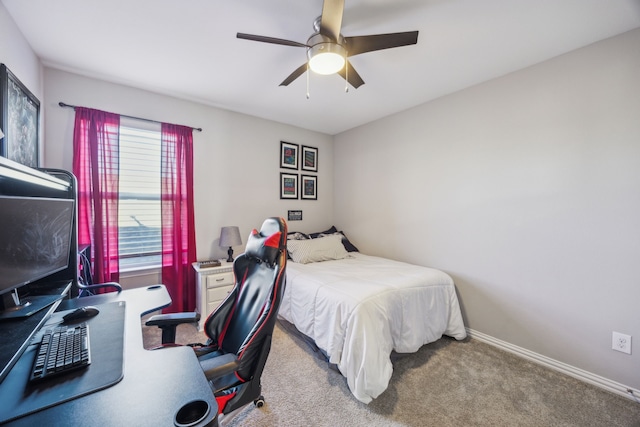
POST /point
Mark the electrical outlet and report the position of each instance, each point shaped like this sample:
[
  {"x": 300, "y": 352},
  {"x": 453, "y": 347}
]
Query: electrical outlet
[{"x": 621, "y": 342}]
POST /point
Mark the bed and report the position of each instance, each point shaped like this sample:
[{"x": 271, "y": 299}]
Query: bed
[{"x": 358, "y": 308}]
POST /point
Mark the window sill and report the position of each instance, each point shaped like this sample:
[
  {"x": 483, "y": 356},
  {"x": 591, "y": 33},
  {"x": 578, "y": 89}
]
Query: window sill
[
  {"x": 135, "y": 270},
  {"x": 141, "y": 264}
]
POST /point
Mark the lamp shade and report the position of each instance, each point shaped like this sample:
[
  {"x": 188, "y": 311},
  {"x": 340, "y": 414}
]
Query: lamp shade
[
  {"x": 326, "y": 58},
  {"x": 1, "y": 134},
  {"x": 230, "y": 236}
]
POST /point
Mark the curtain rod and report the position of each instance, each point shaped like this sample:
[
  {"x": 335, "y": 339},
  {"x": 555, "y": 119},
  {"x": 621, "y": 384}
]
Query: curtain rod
[{"x": 62, "y": 104}]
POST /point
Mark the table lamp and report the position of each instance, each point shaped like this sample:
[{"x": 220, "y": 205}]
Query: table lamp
[{"x": 230, "y": 236}]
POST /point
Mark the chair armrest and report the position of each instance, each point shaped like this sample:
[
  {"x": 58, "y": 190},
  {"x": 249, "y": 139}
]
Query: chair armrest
[
  {"x": 113, "y": 285},
  {"x": 169, "y": 322},
  {"x": 173, "y": 319},
  {"x": 216, "y": 367},
  {"x": 86, "y": 290}
]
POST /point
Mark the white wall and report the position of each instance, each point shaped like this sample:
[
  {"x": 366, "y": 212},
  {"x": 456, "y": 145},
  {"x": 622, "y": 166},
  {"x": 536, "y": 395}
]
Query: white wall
[
  {"x": 18, "y": 56},
  {"x": 526, "y": 189},
  {"x": 236, "y": 157}
]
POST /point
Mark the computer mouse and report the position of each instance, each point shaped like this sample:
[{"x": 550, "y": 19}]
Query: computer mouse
[{"x": 81, "y": 313}]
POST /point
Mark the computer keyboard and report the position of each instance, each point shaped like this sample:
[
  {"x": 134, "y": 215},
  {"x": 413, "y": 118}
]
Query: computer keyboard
[{"x": 63, "y": 348}]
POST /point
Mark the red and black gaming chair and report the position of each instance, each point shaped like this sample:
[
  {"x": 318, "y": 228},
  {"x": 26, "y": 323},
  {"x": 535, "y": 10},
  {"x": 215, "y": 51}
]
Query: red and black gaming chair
[{"x": 241, "y": 327}]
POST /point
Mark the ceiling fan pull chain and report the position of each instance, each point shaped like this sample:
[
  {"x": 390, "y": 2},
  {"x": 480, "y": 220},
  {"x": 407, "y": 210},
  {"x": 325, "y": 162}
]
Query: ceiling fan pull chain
[{"x": 308, "y": 81}]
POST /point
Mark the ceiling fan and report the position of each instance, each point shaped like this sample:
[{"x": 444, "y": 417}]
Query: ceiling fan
[{"x": 328, "y": 50}]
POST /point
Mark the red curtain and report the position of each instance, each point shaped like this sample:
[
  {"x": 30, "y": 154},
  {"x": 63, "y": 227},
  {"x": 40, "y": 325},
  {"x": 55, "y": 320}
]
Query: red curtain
[
  {"x": 178, "y": 227},
  {"x": 95, "y": 165}
]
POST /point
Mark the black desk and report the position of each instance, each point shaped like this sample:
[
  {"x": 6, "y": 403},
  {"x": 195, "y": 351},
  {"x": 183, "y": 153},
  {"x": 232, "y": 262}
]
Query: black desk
[{"x": 155, "y": 385}]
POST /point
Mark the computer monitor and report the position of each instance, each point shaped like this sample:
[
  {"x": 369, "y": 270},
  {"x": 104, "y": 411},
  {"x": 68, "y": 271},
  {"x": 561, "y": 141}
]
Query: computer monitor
[
  {"x": 35, "y": 241},
  {"x": 37, "y": 220},
  {"x": 38, "y": 251}
]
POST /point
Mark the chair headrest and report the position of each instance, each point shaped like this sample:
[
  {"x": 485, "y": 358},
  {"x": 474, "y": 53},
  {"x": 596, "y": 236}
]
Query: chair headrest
[{"x": 264, "y": 248}]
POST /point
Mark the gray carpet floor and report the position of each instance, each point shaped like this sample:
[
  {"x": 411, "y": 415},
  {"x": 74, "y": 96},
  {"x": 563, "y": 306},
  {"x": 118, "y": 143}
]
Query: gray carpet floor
[{"x": 446, "y": 383}]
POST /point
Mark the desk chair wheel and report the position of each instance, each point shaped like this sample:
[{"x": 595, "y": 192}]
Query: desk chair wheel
[{"x": 259, "y": 402}]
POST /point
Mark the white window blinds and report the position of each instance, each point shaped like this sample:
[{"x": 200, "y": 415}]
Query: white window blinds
[{"x": 139, "y": 214}]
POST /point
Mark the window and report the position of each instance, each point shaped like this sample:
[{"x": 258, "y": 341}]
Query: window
[
  {"x": 103, "y": 172},
  {"x": 139, "y": 214}
]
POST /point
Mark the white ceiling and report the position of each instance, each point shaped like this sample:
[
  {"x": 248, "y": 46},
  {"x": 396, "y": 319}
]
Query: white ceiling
[{"x": 189, "y": 49}]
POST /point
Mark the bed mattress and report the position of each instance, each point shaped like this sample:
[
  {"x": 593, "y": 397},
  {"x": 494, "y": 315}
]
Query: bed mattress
[{"x": 359, "y": 309}]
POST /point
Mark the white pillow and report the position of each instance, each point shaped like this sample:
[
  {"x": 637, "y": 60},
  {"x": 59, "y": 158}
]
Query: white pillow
[{"x": 314, "y": 250}]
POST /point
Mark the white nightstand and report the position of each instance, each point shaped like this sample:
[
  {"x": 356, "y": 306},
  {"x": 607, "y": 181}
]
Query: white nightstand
[{"x": 213, "y": 284}]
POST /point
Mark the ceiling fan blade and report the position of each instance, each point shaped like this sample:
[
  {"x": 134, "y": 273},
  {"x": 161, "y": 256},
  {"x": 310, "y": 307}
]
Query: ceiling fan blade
[
  {"x": 271, "y": 40},
  {"x": 331, "y": 19},
  {"x": 354, "y": 78},
  {"x": 362, "y": 44},
  {"x": 297, "y": 73}
]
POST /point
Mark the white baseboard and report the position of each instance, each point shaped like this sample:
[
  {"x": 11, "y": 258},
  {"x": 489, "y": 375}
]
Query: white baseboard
[{"x": 572, "y": 371}]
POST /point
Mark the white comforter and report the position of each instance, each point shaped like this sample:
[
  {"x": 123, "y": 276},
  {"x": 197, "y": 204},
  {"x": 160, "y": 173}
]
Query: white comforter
[{"x": 359, "y": 309}]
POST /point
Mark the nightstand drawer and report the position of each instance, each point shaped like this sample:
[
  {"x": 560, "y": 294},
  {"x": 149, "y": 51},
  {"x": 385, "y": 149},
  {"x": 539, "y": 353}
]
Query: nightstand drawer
[
  {"x": 219, "y": 293},
  {"x": 213, "y": 284},
  {"x": 215, "y": 280}
]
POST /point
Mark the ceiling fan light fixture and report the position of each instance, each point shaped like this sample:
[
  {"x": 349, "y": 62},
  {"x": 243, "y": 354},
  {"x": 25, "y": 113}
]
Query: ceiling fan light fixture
[{"x": 326, "y": 58}]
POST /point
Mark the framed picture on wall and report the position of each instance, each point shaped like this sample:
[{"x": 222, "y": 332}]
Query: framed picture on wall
[
  {"x": 309, "y": 187},
  {"x": 19, "y": 120},
  {"x": 288, "y": 185},
  {"x": 309, "y": 158},
  {"x": 289, "y": 155}
]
